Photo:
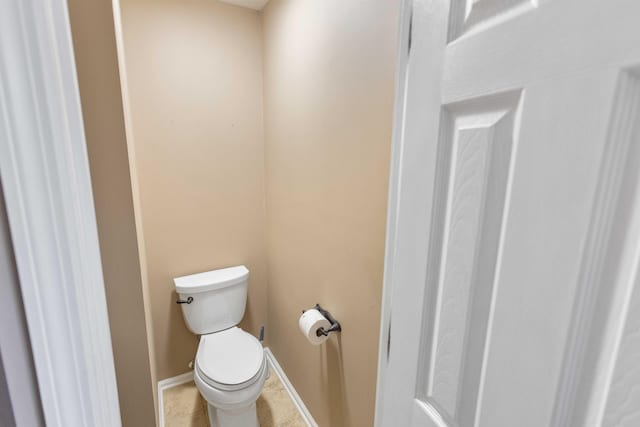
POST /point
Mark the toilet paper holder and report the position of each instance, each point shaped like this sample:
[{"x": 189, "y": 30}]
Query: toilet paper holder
[{"x": 335, "y": 325}]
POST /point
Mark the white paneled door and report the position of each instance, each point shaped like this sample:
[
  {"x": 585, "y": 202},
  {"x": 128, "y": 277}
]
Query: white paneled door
[{"x": 512, "y": 287}]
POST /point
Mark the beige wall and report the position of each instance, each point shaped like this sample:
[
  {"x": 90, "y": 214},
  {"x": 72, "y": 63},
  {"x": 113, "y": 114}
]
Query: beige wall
[
  {"x": 203, "y": 156},
  {"x": 97, "y": 67},
  {"x": 328, "y": 90},
  {"x": 194, "y": 83}
]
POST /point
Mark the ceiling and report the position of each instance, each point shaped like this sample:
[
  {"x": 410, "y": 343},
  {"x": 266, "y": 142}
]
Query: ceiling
[{"x": 251, "y": 4}]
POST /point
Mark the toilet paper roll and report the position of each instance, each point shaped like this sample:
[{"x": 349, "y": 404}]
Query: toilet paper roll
[{"x": 310, "y": 321}]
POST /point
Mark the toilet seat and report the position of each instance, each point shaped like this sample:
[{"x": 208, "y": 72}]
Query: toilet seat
[{"x": 230, "y": 360}]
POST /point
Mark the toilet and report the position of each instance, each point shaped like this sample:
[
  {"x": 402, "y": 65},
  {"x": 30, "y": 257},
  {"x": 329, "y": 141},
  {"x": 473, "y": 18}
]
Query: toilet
[{"x": 230, "y": 367}]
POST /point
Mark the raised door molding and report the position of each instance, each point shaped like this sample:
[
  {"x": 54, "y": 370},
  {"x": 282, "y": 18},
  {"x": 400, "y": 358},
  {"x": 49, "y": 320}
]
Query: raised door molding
[
  {"x": 469, "y": 16},
  {"x": 600, "y": 382},
  {"x": 45, "y": 175},
  {"x": 475, "y": 154}
]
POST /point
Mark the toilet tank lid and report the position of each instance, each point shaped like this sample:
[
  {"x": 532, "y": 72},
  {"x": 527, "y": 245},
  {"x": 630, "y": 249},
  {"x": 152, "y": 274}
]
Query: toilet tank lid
[{"x": 209, "y": 280}]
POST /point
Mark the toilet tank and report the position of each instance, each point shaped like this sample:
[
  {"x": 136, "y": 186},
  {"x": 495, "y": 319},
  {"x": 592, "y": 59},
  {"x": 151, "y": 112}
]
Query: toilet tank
[{"x": 218, "y": 298}]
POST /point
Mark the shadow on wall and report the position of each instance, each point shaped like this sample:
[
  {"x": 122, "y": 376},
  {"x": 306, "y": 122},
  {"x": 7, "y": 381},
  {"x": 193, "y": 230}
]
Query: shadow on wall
[
  {"x": 333, "y": 384},
  {"x": 177, "y": 332},
  {"x": 247, "y": 321}
]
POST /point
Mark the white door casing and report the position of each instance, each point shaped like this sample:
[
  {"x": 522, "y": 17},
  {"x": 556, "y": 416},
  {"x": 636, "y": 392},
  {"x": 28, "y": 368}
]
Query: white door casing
[
  {"x": 511, "y": 280},
  {"x": 47, "y": 187}
]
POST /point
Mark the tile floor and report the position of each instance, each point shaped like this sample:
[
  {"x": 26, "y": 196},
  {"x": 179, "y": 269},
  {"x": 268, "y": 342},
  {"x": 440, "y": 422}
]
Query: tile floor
[{"x": 184, "y": 407}]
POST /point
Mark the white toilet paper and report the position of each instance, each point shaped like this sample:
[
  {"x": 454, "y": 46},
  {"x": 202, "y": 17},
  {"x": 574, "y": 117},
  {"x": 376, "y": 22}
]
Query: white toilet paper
[{"x": 310, "y": 321}]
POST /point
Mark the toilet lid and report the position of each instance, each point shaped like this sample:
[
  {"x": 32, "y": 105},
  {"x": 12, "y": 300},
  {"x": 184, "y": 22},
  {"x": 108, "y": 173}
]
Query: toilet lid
[{"x": 230, "y": 357}]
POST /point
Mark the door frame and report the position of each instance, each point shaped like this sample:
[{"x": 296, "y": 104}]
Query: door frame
[
  {"x": 45, "y": 175},
  {"x": 393, "y": 198}
]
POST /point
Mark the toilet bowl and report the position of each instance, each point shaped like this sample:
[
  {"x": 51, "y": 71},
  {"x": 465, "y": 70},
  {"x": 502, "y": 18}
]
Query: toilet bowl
[
  {"x": 230, "y": 366},
  {"x": 230, "y": 372}
]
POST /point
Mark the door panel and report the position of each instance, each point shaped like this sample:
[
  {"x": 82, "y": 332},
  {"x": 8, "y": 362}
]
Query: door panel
[
  {"x": 548, "y": 217},
  {"x": 475, "y": 158},
  {"x": 622, "y": 406},
  {"x": 624, "y": 397},
  {"x": 609, "y": 277},
  {"x": 467, "y": 17},
  {"x": 515, "y": 263}
]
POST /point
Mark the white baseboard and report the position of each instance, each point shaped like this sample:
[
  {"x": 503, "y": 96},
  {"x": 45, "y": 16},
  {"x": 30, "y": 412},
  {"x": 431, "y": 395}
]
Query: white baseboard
[
  {"x": 295, "y": 397},
  {"x": 168, "y": 383},
  {"x": 275, "y": 366}
]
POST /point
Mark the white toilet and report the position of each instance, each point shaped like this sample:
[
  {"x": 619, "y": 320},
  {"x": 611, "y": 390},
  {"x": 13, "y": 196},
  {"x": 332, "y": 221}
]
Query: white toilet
[{"x": 230, "y": 367}]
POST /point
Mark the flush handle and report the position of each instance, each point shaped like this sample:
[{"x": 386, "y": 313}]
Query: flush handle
[{"x": 187, "y": 301}]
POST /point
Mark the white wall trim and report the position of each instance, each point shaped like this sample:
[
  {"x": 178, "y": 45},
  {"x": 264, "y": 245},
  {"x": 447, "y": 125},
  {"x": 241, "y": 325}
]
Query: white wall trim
[
  {"x": 275, "y": 366},
  {"x": 295, "y": 397},
  {"x": 45, "y": 175},
  {"x": 168, "y": 383}
]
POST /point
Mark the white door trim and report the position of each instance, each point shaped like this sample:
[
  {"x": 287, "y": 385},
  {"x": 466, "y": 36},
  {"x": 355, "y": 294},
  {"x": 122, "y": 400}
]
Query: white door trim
[
  {"x": 45, "y": 175},
  {"x": 402, "y": 62}
]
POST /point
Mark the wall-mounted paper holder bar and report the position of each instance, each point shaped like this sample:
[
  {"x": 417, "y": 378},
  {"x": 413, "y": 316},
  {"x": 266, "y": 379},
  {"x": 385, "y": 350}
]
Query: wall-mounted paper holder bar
[{"x": 335, "y": 325}]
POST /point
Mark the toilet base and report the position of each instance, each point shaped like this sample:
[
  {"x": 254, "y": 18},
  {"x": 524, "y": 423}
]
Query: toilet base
[{"x": 245, "y": 417}]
